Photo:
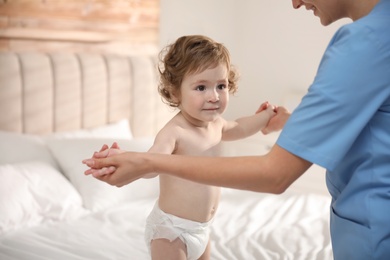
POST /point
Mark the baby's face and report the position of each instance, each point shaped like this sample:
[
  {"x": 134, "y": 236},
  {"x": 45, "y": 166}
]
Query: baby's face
[{"x": 204, "y": 96}]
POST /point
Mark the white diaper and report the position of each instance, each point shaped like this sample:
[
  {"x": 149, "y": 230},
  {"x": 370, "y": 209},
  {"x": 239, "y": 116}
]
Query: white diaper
[{"x": 195, "y": 235}]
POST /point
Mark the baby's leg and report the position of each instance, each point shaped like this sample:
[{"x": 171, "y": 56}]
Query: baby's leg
[
  {"x": 164, "y": 249},
  {"x": 206, "y": 254}
]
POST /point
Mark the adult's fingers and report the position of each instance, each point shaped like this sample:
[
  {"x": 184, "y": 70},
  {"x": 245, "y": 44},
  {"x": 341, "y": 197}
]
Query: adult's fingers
[
  {"x": 101, "y": 154},
  {"x": 115, "y": 145},
  {"x": 104, "y": 147}
]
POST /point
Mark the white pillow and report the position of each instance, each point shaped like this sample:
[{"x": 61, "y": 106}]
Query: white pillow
[
  {"x": 99, "y": 195},
  {"x": 32, "y": 193},
  {"x": 120, "y": 129},
  {"x": 17, "y": 148}
]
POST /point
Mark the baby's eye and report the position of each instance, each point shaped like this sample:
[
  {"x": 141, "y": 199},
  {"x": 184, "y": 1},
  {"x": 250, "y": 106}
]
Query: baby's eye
[
  {"x": 200, "y": 88},
  {"x": 221, "y": 86}
]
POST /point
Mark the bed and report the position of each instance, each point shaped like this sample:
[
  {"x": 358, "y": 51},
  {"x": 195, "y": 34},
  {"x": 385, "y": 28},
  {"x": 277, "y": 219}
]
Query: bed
[{"x": 57, "y": 108}]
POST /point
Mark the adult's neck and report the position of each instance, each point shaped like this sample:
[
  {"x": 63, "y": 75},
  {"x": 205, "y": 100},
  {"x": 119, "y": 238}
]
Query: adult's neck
[{"x": 360, "y": 8}]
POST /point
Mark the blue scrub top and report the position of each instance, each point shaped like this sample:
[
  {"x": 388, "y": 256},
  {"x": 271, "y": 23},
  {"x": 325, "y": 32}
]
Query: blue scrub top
[{"x": 343, "y": 124}]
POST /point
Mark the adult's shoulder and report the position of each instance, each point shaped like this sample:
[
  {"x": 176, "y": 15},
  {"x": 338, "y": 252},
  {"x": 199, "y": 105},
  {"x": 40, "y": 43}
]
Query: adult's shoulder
[{"x": 371, "y": 29}]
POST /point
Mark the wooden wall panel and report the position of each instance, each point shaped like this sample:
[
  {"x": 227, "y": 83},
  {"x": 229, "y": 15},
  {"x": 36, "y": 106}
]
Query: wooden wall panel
[{"x": 119, "y": 26}]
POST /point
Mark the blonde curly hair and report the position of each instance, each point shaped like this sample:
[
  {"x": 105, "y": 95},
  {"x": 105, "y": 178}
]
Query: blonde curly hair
[{"x": 187, "y": 55}]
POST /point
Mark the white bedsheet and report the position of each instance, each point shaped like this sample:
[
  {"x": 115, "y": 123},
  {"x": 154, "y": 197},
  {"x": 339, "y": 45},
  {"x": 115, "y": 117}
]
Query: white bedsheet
[
  {"x": 261, "y": 226},
  {"x": 114, "y": 233},
  {"x": 247, "y": 226}
]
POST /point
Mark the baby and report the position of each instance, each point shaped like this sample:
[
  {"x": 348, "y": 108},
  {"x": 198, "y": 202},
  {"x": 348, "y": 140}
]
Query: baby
[{"x": 196, "y": 77}]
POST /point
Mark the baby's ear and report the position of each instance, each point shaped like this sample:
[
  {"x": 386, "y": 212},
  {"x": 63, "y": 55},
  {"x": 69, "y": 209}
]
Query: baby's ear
[{"x": 175, "y": 96}]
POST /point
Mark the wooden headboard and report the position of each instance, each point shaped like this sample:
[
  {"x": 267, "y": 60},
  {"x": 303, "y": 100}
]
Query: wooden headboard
[
  {"x": 109, "y": 26},
  {"x": 69, "y": 65},
  {"x": 41, "y": 93}
]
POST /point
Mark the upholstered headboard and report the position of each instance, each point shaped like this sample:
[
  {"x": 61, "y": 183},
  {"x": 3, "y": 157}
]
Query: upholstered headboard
[{"x": 42, "y": 93}]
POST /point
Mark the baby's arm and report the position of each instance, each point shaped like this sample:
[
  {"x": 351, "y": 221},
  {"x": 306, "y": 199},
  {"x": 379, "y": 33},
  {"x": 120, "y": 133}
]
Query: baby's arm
[
  {"x": 249, "y": 125},
  {"x": 164, "y": 143}
]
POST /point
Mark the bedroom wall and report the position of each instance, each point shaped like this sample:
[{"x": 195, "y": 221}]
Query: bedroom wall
[{"x": 276, "y": 48}]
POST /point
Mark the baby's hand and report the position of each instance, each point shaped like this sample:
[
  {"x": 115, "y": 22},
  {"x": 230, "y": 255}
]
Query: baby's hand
[
  {"x": 266, "y": 106},
  {"x": 104, "y": 152},
  {"x": 277, "y": 121}
]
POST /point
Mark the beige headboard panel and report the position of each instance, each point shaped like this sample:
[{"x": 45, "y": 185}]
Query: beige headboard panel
[{"x": 41, "y": 93}]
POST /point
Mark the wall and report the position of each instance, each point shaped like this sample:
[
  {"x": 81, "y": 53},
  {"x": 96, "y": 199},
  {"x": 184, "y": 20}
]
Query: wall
[{"x": 276, "y": 48}]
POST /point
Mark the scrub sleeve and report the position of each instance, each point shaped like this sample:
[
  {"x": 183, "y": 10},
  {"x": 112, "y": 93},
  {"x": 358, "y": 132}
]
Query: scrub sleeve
[{"x": 343, "y": 125}]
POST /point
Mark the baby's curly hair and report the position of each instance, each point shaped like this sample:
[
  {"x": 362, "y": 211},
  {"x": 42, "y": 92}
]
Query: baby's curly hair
[{"x": 191, "y": 54}]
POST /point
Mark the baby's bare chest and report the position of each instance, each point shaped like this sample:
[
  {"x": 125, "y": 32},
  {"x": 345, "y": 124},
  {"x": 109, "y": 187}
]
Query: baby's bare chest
[{"x": 205, "y": 143}]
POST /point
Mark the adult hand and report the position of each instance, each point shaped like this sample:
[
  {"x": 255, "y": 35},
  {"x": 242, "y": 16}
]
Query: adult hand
[
  {"x": 104, "y": 152},
  {"x": 277, "y": 122},
  {"x": 118, "y": 169}
]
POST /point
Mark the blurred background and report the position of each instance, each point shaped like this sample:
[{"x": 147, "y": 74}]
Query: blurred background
[{"x": 276, "y": 48}]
